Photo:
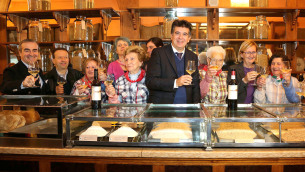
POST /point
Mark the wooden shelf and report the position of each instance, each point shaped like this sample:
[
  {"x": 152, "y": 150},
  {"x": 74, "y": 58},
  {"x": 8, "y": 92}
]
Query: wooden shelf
[
  {"x": 72, "y": 13},
  {"x": 227, "y": 40},
  {"x": 61, "y": 42},
  {"x": 223, "y": 12}
]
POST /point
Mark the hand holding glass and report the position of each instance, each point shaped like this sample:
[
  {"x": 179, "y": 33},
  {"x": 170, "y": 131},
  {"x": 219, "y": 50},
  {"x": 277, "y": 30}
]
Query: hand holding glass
[
  {"x": 286, "y": 69},
  {"x": 61, "y": 80}
]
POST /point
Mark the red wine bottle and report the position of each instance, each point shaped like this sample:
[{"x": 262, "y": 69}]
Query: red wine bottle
[
  {"x": 96, "y": 92},
  {"x": 232, "y": 92}
]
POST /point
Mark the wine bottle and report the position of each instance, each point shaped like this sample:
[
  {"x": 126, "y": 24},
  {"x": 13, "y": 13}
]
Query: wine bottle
[
  {"x": 232, "y": 92},
  {"x": 96, "y": 92}
]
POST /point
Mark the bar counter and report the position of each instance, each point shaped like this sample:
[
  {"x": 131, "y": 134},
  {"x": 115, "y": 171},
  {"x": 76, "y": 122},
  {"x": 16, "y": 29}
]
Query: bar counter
[{"x": 158, "y": 158}]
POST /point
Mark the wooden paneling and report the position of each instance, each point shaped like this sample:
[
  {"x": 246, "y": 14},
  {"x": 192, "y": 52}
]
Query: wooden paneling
[
  {"x": 213, "y": 25},
  {"x": 127, "y": 29},
  {"x": 3, "y": 38}
]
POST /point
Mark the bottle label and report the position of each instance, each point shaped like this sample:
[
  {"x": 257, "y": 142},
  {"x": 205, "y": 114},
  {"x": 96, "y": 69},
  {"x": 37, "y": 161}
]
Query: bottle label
[
  {"x": 96, "y": 93},
  {"x": 232, "y": 92},
  {"x": 83, "y": 23},
  {"x": 233, "y": 77},
  {"x": 39, "y": 27}
]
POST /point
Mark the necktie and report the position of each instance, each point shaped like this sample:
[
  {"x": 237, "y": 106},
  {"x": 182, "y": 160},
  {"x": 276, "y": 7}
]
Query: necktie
[{"x": 179, "y": 55}]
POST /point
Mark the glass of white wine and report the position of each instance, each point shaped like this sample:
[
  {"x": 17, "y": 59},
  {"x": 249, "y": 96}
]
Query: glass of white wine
[
  {"x": 264, "y": 72},
  {"x": 213, "y": 65},
  {"x": 33, "y": 69},
  {"x": 110, "y": 79},
  {"x": 61, "y": 80},
  {"x": 286, "y": 68},
  {"x": 191, "y": 67}
]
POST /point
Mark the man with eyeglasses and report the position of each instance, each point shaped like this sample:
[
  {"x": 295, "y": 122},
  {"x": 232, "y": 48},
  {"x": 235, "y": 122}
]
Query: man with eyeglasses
[
  {"x": 17, "y": 80},
  {"x": 246, "y": 72},
  {"x": 166, "y": 76}
]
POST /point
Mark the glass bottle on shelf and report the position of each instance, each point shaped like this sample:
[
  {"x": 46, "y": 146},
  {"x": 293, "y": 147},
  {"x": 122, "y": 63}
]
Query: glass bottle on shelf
[
  {"x": 171, "y": 3},
  {"x": 34, "y": 5},
  {"x": 261, "y": 27},
  {"x": 80, "y": 4},
  {"x": 79, "y": 29},
  {"x": 90, "y": 51},
  {"x": 35, "y": 30},
  {"x": 90, "y": 3},
  {"x": 262, "y": 56},
  {"x": 46, "y": 59},
  {"x": 168, "y": 21},
  {"x": 46, "y": 4},
  {"x": 46, "y": 31},
  {"x": 251, "y": 32},
  {"x": 89, "y": 32},
  {"x": 260, "y": 3},
  {"x": 77, "y": 57}
]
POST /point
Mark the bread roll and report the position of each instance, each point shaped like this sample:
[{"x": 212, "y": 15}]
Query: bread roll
[
  {"x": 29, "y": 115},
  {"x": 11, "y": 122}
]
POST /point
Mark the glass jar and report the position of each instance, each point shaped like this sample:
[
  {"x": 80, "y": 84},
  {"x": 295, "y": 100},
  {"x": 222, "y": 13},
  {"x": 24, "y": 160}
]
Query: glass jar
[
  {"x": 251, "y": 32},
  {"x": 77, "y": 57},
  {"x": 34, "y": 5},
  {"x": 79, "y": 29},
  {"x": 89, "y": 32},
  {"x": 168, "y": 21},
  {"x": 46, "y": 59},
  {"x": 213, "y": 3},
  {"x": 171, "y": 3},
  {"x": 261, "y": 27},
  {"x": 46, "y": 4},
  {"x": 35, "y": 30},
  {"x": 80, "y": 4},
  {"x": 90, "y": 52},
  {"x": 46, "y": 31},
  {"x": 90, "y": 3},
  {"x": 261, "y": 55},
  {"x": 260, "y": 3}
]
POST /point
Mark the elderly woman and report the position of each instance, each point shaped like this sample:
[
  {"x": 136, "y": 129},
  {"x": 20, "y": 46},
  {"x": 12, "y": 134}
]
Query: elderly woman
[
  {"x": 245, "y": 72},
  {"x": 83, "y": 85},
  {"x": 130, "y": 87},
  {"x": 118, "y": 67},
  {"x": 213, "y": 86},
  {"x": 272, "y": 89}
]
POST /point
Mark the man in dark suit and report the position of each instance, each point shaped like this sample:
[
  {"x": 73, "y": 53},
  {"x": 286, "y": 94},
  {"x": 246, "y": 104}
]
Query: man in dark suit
[
  {"x": 166, "y": 77},
  {"x": 17, "y": 80},
  {"x": 61, "y": 69}
]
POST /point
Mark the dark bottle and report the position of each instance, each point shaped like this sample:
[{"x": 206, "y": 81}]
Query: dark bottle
[
  {"x": 96, "y": 92},
  {"x": 301, "y": 77},
  {"x": 232, "y": 92}
]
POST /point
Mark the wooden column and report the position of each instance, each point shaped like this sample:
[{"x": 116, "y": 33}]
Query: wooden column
[
  {"x": 213, "y": 24},
  {"x": 100, "y": 167},
  {"x": 158, "y": 168},
  {"x": 44, "y": 166},
  {"x": 291, "y": 34},
  {"x": 127, "y": 26},
  {"x": 3, "y": 38},
  {"x": 218, "y": 168},
  {"x": 277, "y": 168}
]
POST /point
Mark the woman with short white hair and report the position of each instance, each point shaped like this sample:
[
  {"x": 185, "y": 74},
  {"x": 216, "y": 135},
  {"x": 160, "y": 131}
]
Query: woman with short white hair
[{"x": 213, "y": 87}]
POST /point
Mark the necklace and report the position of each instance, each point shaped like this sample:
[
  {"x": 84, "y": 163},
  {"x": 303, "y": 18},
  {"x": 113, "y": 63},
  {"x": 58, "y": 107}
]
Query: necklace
[{"x": 140, "y": 77}]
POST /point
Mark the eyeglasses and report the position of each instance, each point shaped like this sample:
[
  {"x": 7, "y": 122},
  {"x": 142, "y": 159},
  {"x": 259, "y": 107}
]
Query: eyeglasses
[
  {"x": 248, "y": 52},
  {"x": 217, "y": 61}
]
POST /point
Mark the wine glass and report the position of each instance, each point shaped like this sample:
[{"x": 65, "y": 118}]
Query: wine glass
[
  {"x": 191, "y": 67},
  {"x": 264, "y": 72},
  {"x": 110, "y": 79},
  {"x": 213, "y": 65},
  {"x": 286, "y": 68},
  {"x": 61, "y": 80},
  {"x": 33, "y": 69}
]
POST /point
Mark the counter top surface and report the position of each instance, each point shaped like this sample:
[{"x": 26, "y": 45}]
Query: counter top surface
[{"x": 128, "y": 152}]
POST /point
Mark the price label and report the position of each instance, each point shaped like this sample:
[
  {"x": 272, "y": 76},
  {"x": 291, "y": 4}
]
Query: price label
[
  {"x": 40, "y": 27},
  {"x": 170, "y": 140},
  {"x": 116, "y": 138},
  {"x": 88, "y": 137}
]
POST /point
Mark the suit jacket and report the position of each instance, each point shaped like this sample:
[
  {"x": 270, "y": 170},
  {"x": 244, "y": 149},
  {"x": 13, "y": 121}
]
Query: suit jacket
[
  {"x": 13, "y": 78},
  {"x": 162, "y": 72},
  {"x": 239, "y": 74},
  {"x": 72, "y": 76}
]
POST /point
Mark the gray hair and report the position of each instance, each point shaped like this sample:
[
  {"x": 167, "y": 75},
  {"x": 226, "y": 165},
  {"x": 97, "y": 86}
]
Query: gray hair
[
  {"x": 216, "y": 49},
  {"x": 203, "y": 58},
  {"x": 115, "y": 55}
]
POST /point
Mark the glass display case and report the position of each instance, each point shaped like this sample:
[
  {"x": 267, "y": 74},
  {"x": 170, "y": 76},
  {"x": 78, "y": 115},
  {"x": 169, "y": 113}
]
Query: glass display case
[
  {"x": 191, "y": 125},
  {"x": 36, "y": 121}
]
